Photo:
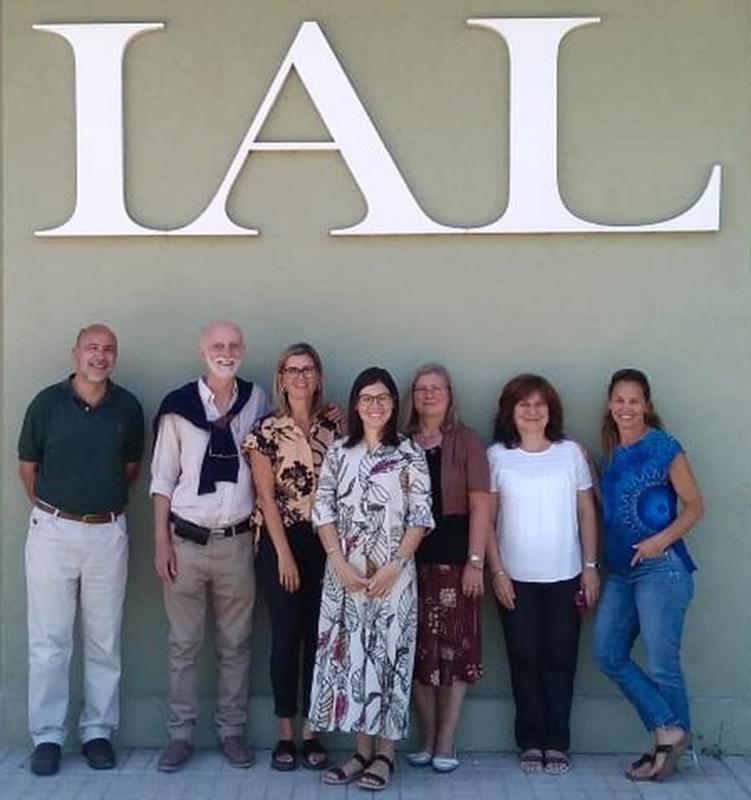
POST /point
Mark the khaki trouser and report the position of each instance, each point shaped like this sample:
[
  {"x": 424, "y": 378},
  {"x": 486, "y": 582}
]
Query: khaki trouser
[
  {"x": 68, "y": 565},
  {"x": 223, "y": 566}
]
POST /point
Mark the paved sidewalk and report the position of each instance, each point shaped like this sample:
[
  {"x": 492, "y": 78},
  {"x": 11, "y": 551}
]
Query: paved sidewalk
[{"x": 481, "y": 777}]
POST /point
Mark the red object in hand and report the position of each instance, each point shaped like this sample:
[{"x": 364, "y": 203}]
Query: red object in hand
[{"x": 580, "y": 601}]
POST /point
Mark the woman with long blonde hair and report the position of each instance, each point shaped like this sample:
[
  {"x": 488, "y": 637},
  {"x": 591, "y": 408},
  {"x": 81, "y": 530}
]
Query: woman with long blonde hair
[{"x": 286, "y": 450}]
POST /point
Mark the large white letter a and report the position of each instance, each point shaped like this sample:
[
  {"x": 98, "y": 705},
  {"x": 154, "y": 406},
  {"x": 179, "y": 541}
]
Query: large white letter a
[{"x": 391, "y": 207}]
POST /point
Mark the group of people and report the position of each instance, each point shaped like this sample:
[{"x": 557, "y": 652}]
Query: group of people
[{"x": 370, "y": 547}]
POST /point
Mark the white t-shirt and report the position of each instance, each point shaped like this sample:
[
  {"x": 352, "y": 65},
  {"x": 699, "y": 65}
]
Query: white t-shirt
[{"x": 537, "y": 527}]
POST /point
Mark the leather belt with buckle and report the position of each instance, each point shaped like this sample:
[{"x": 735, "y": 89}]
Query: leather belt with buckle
[
  {"x": 200, "y": 535},
  {"x": 89, "y": 519}
]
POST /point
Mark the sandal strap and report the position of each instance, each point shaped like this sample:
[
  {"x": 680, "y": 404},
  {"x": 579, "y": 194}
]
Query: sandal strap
[
  {"x": 284, "y": 747},
  {"x": 664, "y": 748},
  {"x": 369, "y": 779},
  {"x": 347, "y": 777},
  {"x": 643, "y": 760},
  {"x": 340, "y": 775},
  {"x": 386, "y": 760}
]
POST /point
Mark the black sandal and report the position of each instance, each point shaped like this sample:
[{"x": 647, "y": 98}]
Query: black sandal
[
  {"x": 673, "y": 754},
  {"x": 284, "y": 747},
  {"x": 642, "y": 761},
  {"x": 336, "y": 776},
  {"x": 374, "y": 782},
  {"x": 313, "y": 747}
]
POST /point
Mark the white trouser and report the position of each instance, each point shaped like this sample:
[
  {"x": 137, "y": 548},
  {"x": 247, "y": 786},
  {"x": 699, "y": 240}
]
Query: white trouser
[{"x": 65, "y": 561}]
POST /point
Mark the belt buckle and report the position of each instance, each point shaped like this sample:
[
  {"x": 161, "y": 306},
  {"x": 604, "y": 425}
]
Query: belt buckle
[
  {"x": 217, "y": 531},
  {"x": 87, "y": 517}
]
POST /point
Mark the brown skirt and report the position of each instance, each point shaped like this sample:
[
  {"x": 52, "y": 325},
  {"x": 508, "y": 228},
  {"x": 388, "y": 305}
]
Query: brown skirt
[{"x": 448, "y": 628}]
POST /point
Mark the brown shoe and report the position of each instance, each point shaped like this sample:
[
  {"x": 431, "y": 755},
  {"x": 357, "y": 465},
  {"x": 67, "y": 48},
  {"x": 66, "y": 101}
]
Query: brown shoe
[
  {"x": 236, "y": 752},
  {"x": 174, "y": 756}
]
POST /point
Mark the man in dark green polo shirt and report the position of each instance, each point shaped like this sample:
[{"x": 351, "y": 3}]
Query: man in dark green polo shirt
[{"x": 80, "y": 448}]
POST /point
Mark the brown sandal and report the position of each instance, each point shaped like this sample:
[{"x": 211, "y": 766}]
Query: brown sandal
[
  {"x": 372, "y": 780},
  {"x": 336, "y": 776}
]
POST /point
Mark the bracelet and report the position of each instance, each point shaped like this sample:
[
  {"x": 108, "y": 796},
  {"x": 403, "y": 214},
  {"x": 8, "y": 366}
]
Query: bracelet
[
  {"x": 400, "y": 560},
  {"x": 333, "y": 549},
  {"x": 498, "y": 573},
  {"x": 591, "y": 565}
]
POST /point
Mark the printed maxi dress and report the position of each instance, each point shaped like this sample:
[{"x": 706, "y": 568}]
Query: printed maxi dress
[{"x": 366, "y": 645}]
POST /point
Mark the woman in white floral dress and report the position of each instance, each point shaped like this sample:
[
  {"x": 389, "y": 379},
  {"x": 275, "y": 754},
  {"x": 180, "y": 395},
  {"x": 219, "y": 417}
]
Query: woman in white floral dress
[{"x": 372, "y": 509}]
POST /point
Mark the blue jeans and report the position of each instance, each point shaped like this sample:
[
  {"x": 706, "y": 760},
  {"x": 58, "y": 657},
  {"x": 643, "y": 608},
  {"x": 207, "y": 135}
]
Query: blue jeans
[{"x": 650, "y": 599}]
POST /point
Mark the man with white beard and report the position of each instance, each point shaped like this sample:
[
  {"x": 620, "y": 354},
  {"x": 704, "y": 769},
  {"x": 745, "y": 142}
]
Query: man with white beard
[{"x": 203, "y": 497}]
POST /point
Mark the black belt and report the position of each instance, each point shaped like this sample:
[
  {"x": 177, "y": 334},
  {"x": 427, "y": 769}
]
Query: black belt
[{"x": 200, "y": 535}]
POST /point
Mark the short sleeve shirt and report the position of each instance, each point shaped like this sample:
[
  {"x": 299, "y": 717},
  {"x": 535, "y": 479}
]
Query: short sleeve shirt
[
  {"x": 81, "y": 450},
  {"x": 538, "y": 526},
  {"x": 638, "y": 499},
  {"x": 295, "y": 461}
]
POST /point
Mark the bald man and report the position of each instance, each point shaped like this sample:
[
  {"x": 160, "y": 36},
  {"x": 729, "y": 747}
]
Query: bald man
[
  {"x": 79, "y": 450},
  {"x": 203, "y": 498}
]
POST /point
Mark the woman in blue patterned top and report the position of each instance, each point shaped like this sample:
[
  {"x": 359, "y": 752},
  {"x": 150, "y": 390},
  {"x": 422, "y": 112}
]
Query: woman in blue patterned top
[{"x": 650, "y": 502}]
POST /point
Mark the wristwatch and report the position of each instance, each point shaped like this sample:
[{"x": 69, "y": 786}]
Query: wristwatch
[
  {"x": 591, "y": 564},
  {"x": 475, "y": 561},
  {"x": 401, "y": 560}
]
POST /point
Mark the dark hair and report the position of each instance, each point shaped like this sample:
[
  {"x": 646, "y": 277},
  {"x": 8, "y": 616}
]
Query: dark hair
[
  {"x": 518, "y": 389},
  {"x": 368, "y": 377},
  {"x": 609, "y": 436}
]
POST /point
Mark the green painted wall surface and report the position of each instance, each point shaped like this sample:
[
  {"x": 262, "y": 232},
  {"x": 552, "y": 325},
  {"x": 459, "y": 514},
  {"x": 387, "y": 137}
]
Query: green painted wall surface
[{"x": 648, "y": 101}]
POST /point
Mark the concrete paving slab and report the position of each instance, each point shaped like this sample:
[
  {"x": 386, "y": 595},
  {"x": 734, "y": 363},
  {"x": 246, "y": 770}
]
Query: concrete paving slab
[{"x": 481, "y": 776}]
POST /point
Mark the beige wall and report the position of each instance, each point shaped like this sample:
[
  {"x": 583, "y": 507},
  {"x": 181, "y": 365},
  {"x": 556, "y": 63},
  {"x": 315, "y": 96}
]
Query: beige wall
[{"x": 649, "y": 99}]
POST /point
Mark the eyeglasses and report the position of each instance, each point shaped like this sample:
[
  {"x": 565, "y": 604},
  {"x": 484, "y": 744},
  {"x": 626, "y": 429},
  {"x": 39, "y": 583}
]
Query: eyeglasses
[
  {"x": 300, "y": 372},
  {"x": 437, "y": 388},
  {"x": 367, "y": 400}
]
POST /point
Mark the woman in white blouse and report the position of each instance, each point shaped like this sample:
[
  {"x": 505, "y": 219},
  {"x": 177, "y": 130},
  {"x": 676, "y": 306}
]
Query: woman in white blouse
[{"x": 543, "y": 562}]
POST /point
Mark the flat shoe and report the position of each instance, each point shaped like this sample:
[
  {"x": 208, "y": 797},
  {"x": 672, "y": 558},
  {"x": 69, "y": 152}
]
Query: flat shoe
[
  {"x": 419, "y": 759},
  {"x": 445, "y": 763},
  {"x": 45, "y": 760},
  {"x": 99, "y": 753},
  {"x": 174, "y": 756}
]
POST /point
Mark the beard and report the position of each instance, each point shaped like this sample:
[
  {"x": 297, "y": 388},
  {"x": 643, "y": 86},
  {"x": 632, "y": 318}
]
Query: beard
[{"x": 223, "y": 368}]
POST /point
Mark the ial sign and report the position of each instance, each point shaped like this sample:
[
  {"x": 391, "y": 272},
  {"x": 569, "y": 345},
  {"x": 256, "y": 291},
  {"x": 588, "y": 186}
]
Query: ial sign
[{"x": 534, "y": 206}]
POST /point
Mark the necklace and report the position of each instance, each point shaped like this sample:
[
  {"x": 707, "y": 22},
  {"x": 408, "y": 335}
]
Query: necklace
[{"x": 429, "y": 440}]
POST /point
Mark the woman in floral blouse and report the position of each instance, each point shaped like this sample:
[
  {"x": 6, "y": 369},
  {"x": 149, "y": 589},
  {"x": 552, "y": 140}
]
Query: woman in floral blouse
[
  {"x": 286, "y": 450},
  {"x": 372, "y": 509}
]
